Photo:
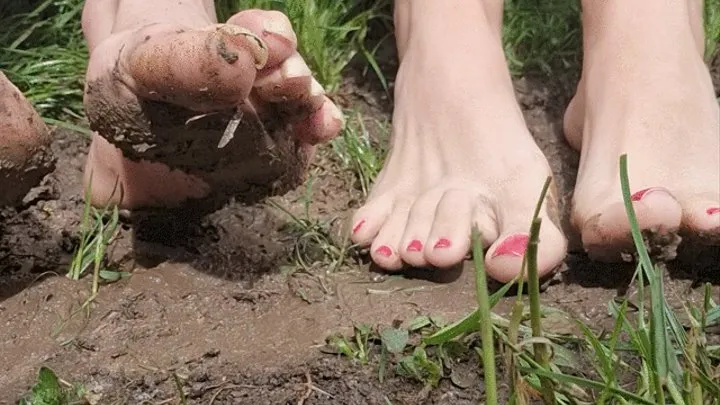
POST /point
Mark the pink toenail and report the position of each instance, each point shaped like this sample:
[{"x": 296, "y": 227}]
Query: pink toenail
[
  {"x": 384, "y": 251},
  {"x": 358, "y": 226},
  {"x": 442, "y": 243},
  {"x": 713, "y": 211},
  {"x": 415, "y": 246},
  {"x": 514, "y": 245},
  {"x": 642, "y": 193}
]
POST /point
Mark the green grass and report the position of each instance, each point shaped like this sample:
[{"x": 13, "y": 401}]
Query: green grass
[
  {"x": 330, "y": 33},
  {"x": 648, "y": 358},
  {"x": 542, "y": 35},
  {"x": 44, "y": 54}
]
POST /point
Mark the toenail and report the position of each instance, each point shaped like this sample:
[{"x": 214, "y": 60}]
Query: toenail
[
  {"x": 280, "y": 28},
  {"x": 384, "y": 251},
  {"x": 514, "y": 245},
  {"x": 358, "y": 226},
  {"x": 713, "y": 210},
  {"x": 642, "y": 193},
  {"x": 442, "y": 243},
  {"x": 415, "y": 246}
]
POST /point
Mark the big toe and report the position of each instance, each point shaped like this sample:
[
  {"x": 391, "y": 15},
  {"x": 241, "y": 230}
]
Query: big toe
[
  {"x": 505, "y": 257},
  {"x": 606, "y": 233}
]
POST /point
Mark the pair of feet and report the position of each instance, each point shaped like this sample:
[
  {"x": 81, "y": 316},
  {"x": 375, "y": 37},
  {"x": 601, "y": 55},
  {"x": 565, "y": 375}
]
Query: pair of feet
[
  {"x": 462, "y": 155},
  {"x": 164, "y": 79}
]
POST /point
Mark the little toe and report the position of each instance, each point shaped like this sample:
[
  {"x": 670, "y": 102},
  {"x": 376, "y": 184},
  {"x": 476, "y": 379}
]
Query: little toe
[
  {"x": 322, "y": 125},
  {"x": 420, "y": 220},
  {"x": 449, "y": 239},
  {"x": 385, "y": 250}
]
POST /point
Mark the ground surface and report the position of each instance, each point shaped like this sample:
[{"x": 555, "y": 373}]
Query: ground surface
[{"x": 213, "y": 307}]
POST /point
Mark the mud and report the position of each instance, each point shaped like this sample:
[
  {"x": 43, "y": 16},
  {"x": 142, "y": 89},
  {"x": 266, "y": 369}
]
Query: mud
[
  {"x": 211, "y": 303},
  {"x": 25, "y": 156}
]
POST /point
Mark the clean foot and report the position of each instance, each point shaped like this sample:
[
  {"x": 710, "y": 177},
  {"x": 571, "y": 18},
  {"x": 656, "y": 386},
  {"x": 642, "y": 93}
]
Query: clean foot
[
  {"x": 656, "y": 104},
  {"x": 461, "y": 154}
]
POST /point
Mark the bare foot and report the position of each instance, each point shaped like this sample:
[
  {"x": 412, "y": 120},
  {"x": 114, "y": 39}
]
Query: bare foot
[
  {"x": 25, "y": 155},
  {"x": 164, "y": 81},
  {"x": 645, "y": 92},
  {"x": 461, "y": 152}
]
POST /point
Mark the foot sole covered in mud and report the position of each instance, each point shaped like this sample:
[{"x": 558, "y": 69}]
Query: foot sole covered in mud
[{"x": 261, "y": 159}]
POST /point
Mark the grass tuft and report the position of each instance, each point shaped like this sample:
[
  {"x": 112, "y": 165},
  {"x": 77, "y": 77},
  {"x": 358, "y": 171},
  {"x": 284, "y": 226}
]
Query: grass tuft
[
  {"x": 44, "y": 54},
  {"x": 330, "y": 33}
]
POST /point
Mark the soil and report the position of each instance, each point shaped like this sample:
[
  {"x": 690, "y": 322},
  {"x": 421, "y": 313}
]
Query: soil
[{"x": 209, "y": 301}]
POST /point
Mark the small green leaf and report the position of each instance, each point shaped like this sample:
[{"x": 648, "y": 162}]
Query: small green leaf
[
  {"x": 394, "y": 340},
  {"x": 419, "y": 323}
]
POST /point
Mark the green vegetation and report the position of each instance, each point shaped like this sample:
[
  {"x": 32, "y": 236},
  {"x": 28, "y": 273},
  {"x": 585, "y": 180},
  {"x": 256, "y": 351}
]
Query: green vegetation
[
  {"x": 51, "y": 390},
  {"x": 330, "y": 33},
  {"x": 44, "y": 54},
  {"x": 649, "y": 358}
]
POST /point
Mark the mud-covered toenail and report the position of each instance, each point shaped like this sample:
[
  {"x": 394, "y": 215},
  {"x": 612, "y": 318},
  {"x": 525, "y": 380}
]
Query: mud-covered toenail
[
  {"x": 357, "y": 226},
  {"x": 713, "y": 210},
  {"x": 643, "y": 193},
  {"x": 415, "y": 246},
  {"x": 256, "y": 45},
  {"x": 384, "y": 251},
  {"x": 442, "y": 243},
  {"x": 514, "y": 245}
]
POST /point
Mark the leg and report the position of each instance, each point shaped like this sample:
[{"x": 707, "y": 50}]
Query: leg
[
  {"x": 25, "y": 155},
  {"x": 461, "y": 152},
  {"x": 646, "y": 92},
  {"x": 162, "y": 83}
]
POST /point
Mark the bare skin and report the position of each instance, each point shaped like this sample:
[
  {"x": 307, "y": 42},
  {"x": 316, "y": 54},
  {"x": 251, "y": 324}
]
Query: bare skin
[
  {"x": 461, "y": 153},
  {"x": 25, "y": 155},
  {"x": 175, "y": 52},
  {"x": 466, "y": 157}
]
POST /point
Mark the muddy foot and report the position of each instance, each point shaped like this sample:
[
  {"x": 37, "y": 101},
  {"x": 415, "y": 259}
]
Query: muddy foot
[
  {"x": 163, "y": 87},
  {"x": 25, "y": 156},
  {"x": 655, "y": 103},
  {"x": 461, "y": 152}
]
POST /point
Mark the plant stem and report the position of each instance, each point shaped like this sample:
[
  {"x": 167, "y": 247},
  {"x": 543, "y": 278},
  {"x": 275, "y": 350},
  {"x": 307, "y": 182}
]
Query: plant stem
[
  {"x": 541, "y": 354},
  {"x": 486, "y": 327}
]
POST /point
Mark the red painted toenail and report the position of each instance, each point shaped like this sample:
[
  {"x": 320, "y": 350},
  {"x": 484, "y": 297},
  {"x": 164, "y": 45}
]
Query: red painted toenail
[
  {"x": 642, "y": 193},
  {"x": 514, "y": 245},
  {"x": 713, "y": 211},
  {"x": 442, "y": 243},
  {"x": 384, "y": 251},
  {"x": 415, "y": 246},
  {"x": 358, "y": 226}
]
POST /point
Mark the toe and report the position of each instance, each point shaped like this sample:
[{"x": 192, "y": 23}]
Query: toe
[
  {"x": 702, "y": 216},
  {"x": 385, "y": 247},
  {"x": 273, "y": 28},
  {"x": 25, "y": 156},
  {"x": 606, "y": 234},
  {"x": 420, "y": 220},
  {"x": 202, "y": 70},
  {"x": 322, "y": 125},
  {"x": 368, "y": 220},
  {"x": 505, "y": 256},
  {"x": 449, "y": 239}
]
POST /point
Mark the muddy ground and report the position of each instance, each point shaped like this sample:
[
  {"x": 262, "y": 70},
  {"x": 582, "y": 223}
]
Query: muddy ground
[{"x": 212, "y": 305}]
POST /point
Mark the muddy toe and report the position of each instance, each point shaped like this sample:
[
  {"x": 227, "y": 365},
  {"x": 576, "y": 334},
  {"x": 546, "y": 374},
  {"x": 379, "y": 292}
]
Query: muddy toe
[{"x": 25, "y": 156}]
